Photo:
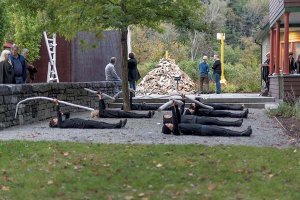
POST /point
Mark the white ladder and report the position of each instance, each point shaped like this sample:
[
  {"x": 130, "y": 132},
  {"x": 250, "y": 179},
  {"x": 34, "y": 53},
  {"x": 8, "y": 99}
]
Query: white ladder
[{"x": 51, "y": 47}]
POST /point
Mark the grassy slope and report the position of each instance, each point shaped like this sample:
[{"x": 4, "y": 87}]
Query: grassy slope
[{"x": 82, "y": 171}]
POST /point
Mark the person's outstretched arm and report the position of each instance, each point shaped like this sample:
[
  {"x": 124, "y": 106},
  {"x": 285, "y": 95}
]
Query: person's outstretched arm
[
  {"x": 58, "y": 113},
  {"x": 175, "y": 121},
  {"x": 101, "y": 104}
]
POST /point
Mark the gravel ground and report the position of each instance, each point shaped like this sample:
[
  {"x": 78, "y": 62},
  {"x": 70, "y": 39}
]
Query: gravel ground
[{"x": 266, "y": 132}]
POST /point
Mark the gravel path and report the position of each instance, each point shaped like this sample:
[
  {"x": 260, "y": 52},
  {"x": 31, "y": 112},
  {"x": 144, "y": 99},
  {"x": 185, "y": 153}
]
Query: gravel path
[{"x": 266, "y": 132}]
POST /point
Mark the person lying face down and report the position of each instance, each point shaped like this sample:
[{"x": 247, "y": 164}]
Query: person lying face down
[
  {"x": 179, "y": 128},
  {"x": 193, "y": 119},
  {"x": 106, "y": 113},
  {"x": 58, "y": 122},
  {"x": 195, "y": 109}
]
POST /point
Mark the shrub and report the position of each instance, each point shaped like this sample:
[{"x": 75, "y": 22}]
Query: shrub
[{"x": 284, "y": 110}]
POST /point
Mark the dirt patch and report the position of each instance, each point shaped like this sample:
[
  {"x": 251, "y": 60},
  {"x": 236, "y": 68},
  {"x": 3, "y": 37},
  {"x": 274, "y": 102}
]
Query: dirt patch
[{"x": 292, "y": 126}]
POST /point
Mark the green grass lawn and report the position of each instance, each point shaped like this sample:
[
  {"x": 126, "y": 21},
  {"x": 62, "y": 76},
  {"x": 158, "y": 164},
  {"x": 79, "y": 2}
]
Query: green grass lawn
[{"x": 43, "y": 170}]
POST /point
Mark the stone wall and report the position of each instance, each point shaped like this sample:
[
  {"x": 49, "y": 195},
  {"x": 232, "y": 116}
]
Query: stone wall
[{"x": 38, "y": 110}]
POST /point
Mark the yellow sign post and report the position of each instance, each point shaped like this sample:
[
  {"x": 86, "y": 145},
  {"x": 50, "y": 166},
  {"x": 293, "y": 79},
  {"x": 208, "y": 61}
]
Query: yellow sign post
[{"x": 221, "y": 36}]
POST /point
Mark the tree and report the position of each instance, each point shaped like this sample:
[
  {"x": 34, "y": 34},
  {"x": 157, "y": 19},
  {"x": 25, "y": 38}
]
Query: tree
[{"x": 67, "y": 17}]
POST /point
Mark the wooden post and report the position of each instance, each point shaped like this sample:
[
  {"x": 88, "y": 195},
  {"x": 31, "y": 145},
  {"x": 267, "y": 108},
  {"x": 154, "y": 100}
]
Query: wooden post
[
  {"x": 277, "y": 48},
  {"x": 271, "y": 51},
  {"x": 286, "y": 68}
]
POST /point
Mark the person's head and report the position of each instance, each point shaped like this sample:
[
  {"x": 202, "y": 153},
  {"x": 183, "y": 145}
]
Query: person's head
[
  {"x": 167, "y": 119},
  {"x": 95, "y": 113},
  {"x": 205, "y": 58},
  {"x": 291, "y": 55},
  {"x": 268, "y": 55},
  {"x": 5, "y": 55},
  {"x": 53, "y": 122},
  {"x": 131, "y": 55},
  {"x": 15, "y": 49},
  {"x": 167, "y": 128},
  {"x": 25, "y": 53},
  {"x": 216, "y": 57},
  {"x": 113, "y": 60}
]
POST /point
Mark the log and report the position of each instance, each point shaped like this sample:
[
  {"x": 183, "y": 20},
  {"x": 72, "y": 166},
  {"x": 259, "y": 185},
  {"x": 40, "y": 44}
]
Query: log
[{"x": 51, "y": 99}]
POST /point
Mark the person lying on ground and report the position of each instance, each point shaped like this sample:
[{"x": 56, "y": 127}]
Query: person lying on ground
[
  {"x": 195, "y": 109},
  {"x": 179, "y": 128},
  {"x": 193, "y": 119},
  {"x": 107, "y": 113},
  {"x": 68, "y": 122}
]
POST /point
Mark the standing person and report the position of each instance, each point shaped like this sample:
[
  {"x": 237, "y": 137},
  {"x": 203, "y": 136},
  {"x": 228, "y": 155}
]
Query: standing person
[
  {"x": 291, "y": 63},
  {"x": 204, "y": 70},
  {"x": 110, "y": 72},
  {"x": 133, "y": 72},
  {"x": 18, "y": 62},
  {"x": 217, "y": 73},
  {"x": 7, "y": 75},
  {"x": 31, "y": 70},
  {"x": 297, "y": 65},
  {"x": 265, "y": 71}
]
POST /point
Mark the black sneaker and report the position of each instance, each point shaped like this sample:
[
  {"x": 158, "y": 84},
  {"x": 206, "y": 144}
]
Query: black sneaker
[
  {"x": 119, "y": 124},
  {"x": 245, "y": 115},
  {"x": 149, "y": 115},
  {"x": 247, "y": 132},
  {"x": 239, "y": 122},
  {"x": 152, "y": 113},
  {"x": 124, "y": 123}
]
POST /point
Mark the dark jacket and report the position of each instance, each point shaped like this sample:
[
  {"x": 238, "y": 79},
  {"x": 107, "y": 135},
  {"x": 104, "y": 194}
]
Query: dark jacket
[
  {"x": 291, "y": 65},
  {"x": 133, "y": 72},
  {"x": 217, "y": 67},
  {"x": 22, "y": 60},
  {"x": 6, "y": 73},
  {"x": 297, "y": 66},
  {"x": 68, "y": 123}
]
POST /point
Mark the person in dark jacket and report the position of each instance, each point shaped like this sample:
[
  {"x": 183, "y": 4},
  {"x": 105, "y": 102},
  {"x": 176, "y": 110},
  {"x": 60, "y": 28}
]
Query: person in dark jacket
[
  {"x": 133, "y": 72},
  {"x": 179, "y": 128},
  {"x": 31, "y": 70},
  {"x": 217, "y": 73},
  {"x": 18, "y": 62},
  {"x": 297, "y": 65},
  {"x": 105, "y": 113},
  {"x": 204, "y": 70},
  {"x": 193, "y": 119},
  {"x": 58, "y": 122},
  {"x": 6, "y": 69},
  {"x": 291, "y": 63}
]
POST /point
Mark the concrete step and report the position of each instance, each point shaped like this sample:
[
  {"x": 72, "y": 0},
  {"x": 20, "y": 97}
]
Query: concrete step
[{"x": 247, "y": 105}]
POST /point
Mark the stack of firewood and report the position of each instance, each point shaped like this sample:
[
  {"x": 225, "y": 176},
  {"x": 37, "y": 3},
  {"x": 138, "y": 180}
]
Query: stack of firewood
[{"x": 161, "y": 80}]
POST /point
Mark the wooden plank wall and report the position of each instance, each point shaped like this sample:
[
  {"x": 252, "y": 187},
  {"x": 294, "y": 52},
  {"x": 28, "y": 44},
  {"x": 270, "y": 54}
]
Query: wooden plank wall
[
  {"x": 63, "y": 61},
  {"x": 89, "y": 64},
  {"x": 274, "y": 87},
  {"x": 292, "y": 84}
]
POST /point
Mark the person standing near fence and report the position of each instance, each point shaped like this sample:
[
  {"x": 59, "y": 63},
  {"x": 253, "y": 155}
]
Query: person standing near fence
[
  {"x": 204, "y": 70},
  {"x": 133, "y": 72},
  {"x": 18, "y": 62}
]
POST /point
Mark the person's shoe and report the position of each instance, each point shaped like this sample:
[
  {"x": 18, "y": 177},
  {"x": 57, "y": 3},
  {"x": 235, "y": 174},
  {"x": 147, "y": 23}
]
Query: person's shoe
[
  {"x": 245, "y": 114},
  {"x": 149, "y": 115},
  {"x": 239, "y": 122},
  {"x": 152, "y": 113},
  {"x": 124, "y": 123},
  {"x": 119, "y": 124},
  {"x": 247, "y": 132}
]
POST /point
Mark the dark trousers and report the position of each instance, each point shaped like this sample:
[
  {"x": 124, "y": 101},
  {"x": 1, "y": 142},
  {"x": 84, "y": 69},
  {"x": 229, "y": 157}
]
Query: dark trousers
[
  {"x": 219, "y": 113},
  {"x": 122, "y": 114},
  {"x": 144, "y": 107},
  {"x": 132, "y": 85},
  {"x": 90, "y": 124},
  {"x": 212, "y": 121},
  {"x": 225, "y": 107},
  {"x": 204, "y": 78},
  {"x": 204, "y": 130}
]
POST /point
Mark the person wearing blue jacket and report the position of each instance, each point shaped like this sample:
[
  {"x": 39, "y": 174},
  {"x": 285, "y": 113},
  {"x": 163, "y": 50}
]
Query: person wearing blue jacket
[
  {"x": 204, "y": 70},
  {"x": 18, "y": 62}
]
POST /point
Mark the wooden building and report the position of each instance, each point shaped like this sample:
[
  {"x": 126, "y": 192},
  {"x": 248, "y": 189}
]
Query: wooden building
[
  {"x": 280, "y": 36},
  {"x": 81, "y": 63}
]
